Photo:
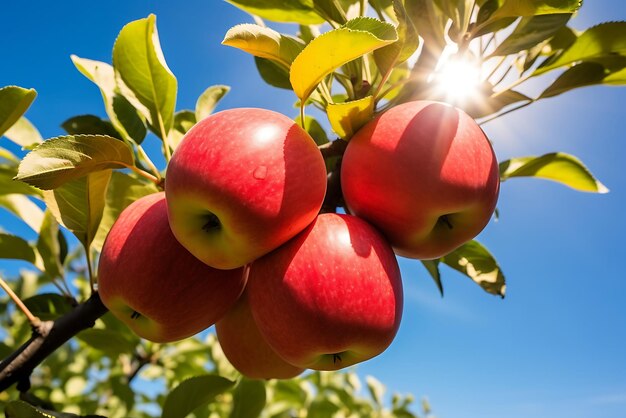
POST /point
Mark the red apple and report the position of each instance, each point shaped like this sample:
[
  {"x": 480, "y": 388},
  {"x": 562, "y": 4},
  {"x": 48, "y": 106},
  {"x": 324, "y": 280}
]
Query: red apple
[
  {"x": 245, "y": 347},
  {"x": 153, "y": 284},
  {"x": 424, "y": 174},
  {"x": 241, "y": 183},
  {"x": 329, "y": 298}
]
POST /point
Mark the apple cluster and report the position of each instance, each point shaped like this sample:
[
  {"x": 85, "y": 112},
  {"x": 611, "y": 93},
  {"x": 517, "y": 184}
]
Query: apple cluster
[{"x": 237, "y": 238}]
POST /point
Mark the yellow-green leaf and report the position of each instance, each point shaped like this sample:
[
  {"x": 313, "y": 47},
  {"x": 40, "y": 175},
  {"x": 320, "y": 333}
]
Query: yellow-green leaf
[
  {"x": 14, "y": 101},
  {"x": 24, "y": 208},
  {"x": 598, "y": 42},
  {"x": 264, "y": 42},
  {"x": 208, "y": 100},
  {"x": 298, "y": 11},
  {"x": 476, "y": 262},
  {"x": 79, "y": 204},
  {"x": 346, "y": 118},
  {"x": 139, "y": 61},
  {"x": 24, "y": 133},
  {"x": 65, "y": 158},
  {"x": 516, "y": 8},
  {"x": 331, "y": 50},
  {"x": 560, "y": 167}
]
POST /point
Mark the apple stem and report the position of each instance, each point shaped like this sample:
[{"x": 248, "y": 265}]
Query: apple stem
[
  {"x": 336, "y": 358},
  {"x": 135, "y": 315},
  {"x": 446, "y": 221},
  {"x": 212, "y": 223}
]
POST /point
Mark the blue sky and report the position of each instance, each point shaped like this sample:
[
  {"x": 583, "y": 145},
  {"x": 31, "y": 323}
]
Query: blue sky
[{"x": 555, "y": 347}]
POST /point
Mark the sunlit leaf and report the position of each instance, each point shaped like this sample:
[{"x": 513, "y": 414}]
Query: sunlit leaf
[
  {"x": 354, "y": 39},
  {"x": 476, "y": 262},
  {"x": 346, "y": 118},
  {"x": 123, "y": 190},
  {"x": 322, "y": 407},
  {"x": 515, "y": 8},
  {"x": 49, "y": 247},
  {"x": 408, "y": 41},
  {"x": 139, "y": 61},
  {"x": 66, "y": 158},
  {"x": 580, "y": 75},
  {"x": 8, "y": 185},
  {"x": 24, "y": 133},
  {"x": 14, "y": 101},
  {"x": 183, "y": 121},
  {"x": 24, "y": 208},
  {"x": 13, "y": 247},
  {"x": 209, "y": 99},
  {"x": 459, "y": 11},
  {"x": 601, "y": 41},
  {"x": 264, "y": 42},
  {"x": 298, "y": 11},
  {"x": 376, "y": 389},
  {"x": 560, "y": 167},
  {"x": 530, "y": 31},
  {"x": 79, "y": 204},
  {"x": 331, "y": 10},
  {"x": 248, "y": 399},
  {"x": 193, "y": 393},
  {"x": 124, "y": 117}
]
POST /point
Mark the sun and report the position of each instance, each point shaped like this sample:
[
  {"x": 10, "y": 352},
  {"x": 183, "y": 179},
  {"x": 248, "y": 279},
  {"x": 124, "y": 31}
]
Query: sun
[{"x": 457, "y": 78}]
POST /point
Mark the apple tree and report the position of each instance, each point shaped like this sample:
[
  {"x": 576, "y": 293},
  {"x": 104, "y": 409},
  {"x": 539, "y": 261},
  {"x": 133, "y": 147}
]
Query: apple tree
[{"x": 347, "y": 63}]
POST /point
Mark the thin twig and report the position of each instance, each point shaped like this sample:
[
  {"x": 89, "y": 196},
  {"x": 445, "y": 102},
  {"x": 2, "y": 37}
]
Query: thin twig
[{"x": 16, "y": 299}]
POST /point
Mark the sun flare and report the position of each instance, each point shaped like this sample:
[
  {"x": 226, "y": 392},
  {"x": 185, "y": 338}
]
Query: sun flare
[{"x": 457, "y": 78}]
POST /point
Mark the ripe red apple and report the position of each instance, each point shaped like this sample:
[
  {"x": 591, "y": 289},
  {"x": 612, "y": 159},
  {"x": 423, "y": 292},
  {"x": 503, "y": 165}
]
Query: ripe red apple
[
  {"x": 153, "y": 284},
  {"x": 241, "y": 183},
  {"x": 330, "y": 297},
  {"x": 424, "y": 174},
  {"x": 245, "y": 347}
]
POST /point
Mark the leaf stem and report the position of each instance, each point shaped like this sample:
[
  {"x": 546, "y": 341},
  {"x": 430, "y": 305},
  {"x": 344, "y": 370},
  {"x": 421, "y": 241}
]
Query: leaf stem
[
  {"x": 144, "y": 156},
  {"x": 512, "y": 85},
  {"x": 92, "y": 281},
  {"x": 167, "y": 152},
  {"x": 506, "y": 112},
  {"x": 34, "y": 321},
  {"x": 145, "y": 174},
  {"x": 302, "y": 124}
]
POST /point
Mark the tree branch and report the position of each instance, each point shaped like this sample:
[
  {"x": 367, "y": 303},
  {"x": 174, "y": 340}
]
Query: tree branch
[{"x": 46, "y": 338}]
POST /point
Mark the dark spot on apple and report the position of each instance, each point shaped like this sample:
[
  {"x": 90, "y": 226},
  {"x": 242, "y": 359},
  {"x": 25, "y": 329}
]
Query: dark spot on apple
[
  {"x": 212, "y": 223},
  {"x": 336, "y": 358},
  {"x": 135, "y": 315},
  {"x": 445, "y": 220}
]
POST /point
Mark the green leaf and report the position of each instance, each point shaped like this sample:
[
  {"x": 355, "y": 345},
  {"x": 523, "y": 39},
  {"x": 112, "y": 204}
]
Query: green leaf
[
  {"x": 209, "y": 99},
  {"x": 124, "y": 116},
  {"x": 183, "y": 121},
  {"x": 297, "y": 11},
  {"x": 78, "y": 205},
  {"x": 430, "y": 23},
  {"x": 408, "y": 41},
  {"x": 347, "y": 118},
  {"x": 248, "y": 399},
  {"x": 110, "y": 342},
  {"x": 476, "y": 262},
  {"x": 273, "y": 73},
  {"x": 331, "y": 10},
  {"x": 580, "y": 75},
  {"x": 123, "y": 190},
  {"x": 66, "y": 158},
  {"x": 313, "y": 127},
  {"x": 24, "y": 133},
  {"x": 560, "y": 167},
  {"x": 49, "y": 246},
  {"x": 24, "y": 208},
  {"x": 14, "y": 101},
  {"x": 598, "y": 42},
  {"x": 354, "y": 39},
  {"x": 89, "y": 125},
  {"x": 193, "y": 393},
  {"x": 13, "y": 247},
  {"x": 376, "y": 389},
  {"x": 516, "y": 8},
  {"x": 139, "y": 61},
  {"x": 322, "y": 408},
  {"x": 459, "y": 11},
  {"x": 264, "y": 42},
  {"x": 530, "y": 31},
  {"x": 48, "y": 306},
  {"x": 9, "y": 186},
  {"x": 432, "y": 266}
]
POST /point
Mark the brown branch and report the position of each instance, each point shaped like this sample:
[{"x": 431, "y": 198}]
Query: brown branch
[{"x": 46, "y": 338}]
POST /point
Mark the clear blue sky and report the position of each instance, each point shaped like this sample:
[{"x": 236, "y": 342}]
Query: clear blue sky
[{"x": 555, "y": 347}]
